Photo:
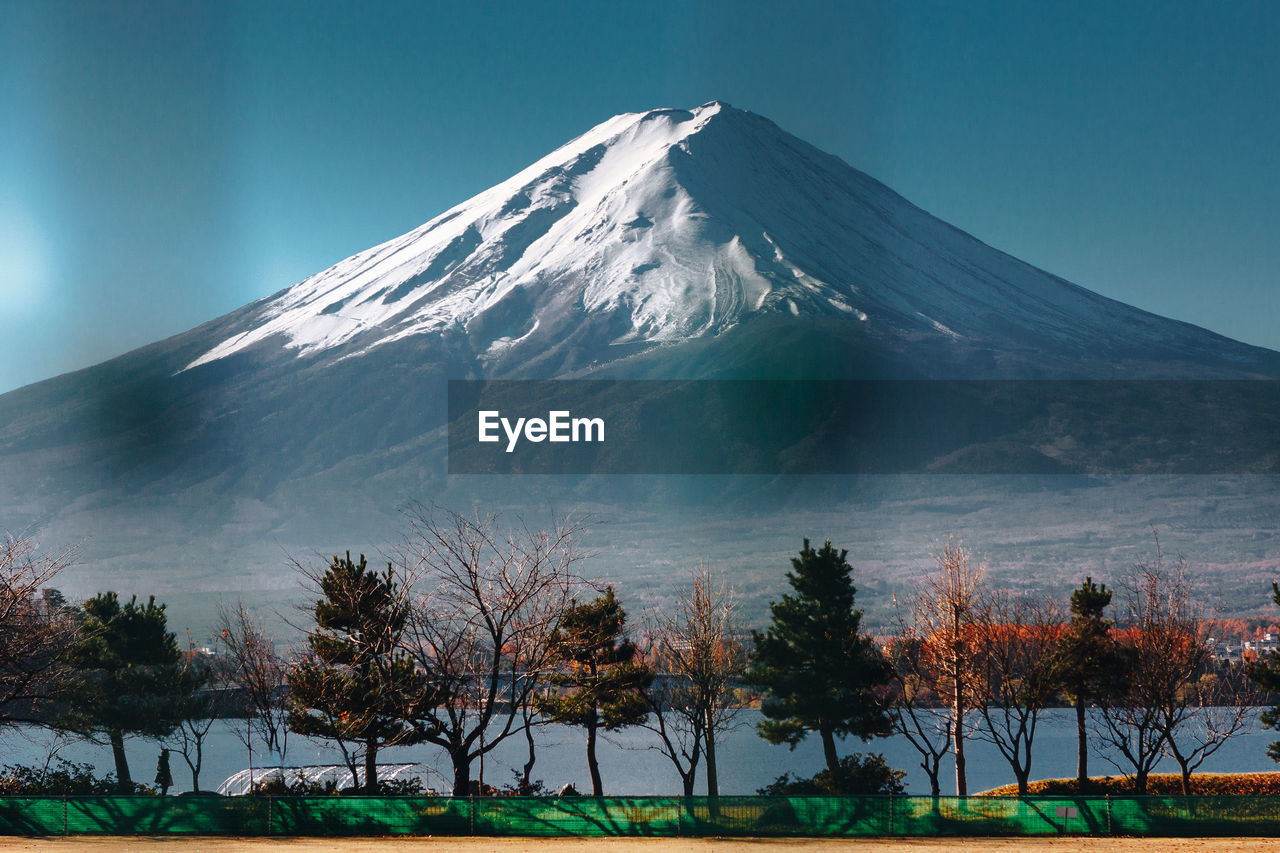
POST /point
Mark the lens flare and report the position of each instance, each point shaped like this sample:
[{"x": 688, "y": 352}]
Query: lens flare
[{"x": 24, "y": 259}]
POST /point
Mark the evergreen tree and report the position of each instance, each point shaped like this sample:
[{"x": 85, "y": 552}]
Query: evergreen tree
[
  {"x": 1086, "y": 662},
  {"x": 125, "y": 676},
  {"x": 602, "y": 688},
  {"x": 818, "y": 673},
  {"x": 353, "y": 686}
]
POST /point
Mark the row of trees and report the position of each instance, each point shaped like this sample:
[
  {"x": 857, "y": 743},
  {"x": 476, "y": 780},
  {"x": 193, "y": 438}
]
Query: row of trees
[
  {"x": 971, "y": 661},
  {"x": 475, "y": 634},
  {"x": 501, "y": 642}
]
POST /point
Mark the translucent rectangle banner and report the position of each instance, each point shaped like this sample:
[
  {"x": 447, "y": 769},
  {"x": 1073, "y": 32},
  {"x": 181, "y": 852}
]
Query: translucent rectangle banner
[{"x": 584, "y": 427}]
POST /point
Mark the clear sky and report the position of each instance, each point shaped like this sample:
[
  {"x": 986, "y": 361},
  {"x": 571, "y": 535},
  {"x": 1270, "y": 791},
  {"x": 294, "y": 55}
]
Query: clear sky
[{"x": 162, "y": 163}]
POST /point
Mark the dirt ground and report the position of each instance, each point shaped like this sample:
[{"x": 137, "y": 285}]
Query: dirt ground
[{"x": 91, "y": 844}]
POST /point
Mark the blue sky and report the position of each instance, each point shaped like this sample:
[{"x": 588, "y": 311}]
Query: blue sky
[{"x": 163, "y": 163}]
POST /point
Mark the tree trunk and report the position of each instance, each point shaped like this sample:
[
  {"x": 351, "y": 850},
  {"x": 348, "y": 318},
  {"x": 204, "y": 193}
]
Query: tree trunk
[
  {"x": 597, "y": 787},
  {"x": 194, "y": 767},
  {"x": 1140, "y": 783},
  {"x": 371, "y": 766},
  {"x": 1022, "y": 777},
  {"x": 1186, "y": 780},
  {"x": 935, "y": 786},
  {"x": 713, "y": 784},
  {"x": 1082, "y": 751},
  {"x": 248, "y": 745},
  {"x": 829, "y": 750},
  {"x": 461, "y": 774},
  {"x": 962, "y": 784},
  {"x": 124, "y": 782},
  {"x": 526, "y": 779}
]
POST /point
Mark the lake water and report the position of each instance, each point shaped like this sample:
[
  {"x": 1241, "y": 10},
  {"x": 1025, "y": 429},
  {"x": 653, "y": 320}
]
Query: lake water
[{"x": 630, "y": 762}]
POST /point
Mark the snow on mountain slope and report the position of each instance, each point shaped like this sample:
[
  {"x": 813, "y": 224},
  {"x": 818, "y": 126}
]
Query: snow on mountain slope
[
  {"x": 671, "y": 226},
  {"x": 471, "y": 257}
]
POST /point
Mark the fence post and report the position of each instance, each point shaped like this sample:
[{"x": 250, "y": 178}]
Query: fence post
[
  {"x": 1109, "y": 830},
  {"x": 269, "y": 829},
  {"x": 891, "y": 814},
  {"x": 64, "y": 814}
]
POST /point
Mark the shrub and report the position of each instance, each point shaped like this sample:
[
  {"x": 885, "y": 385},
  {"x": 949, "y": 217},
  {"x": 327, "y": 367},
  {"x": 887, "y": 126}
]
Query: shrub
[
  {"x": 63, "y": 777},
  {"x": 276, "y": 785},
  {"x": 517, "y": 787},
  {"x": 857, "y": 774},
  {"x": 1158, "y": 784},
  {"x": 408, "y": 787}
]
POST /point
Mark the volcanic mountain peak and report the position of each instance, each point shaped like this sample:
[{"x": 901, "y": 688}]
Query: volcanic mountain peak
[{"x": 670, "y": 226}]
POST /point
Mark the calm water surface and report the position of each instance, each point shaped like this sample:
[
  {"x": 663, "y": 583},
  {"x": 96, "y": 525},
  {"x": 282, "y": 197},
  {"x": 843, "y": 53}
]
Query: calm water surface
[{"x": 630, "y": 764}]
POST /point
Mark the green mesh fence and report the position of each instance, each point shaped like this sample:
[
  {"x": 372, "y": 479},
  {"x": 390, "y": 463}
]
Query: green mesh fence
[
  {"x": 819, "y": 817},
  {"x": 31, "y": 816},
  {"x": 168, "y": 815}
]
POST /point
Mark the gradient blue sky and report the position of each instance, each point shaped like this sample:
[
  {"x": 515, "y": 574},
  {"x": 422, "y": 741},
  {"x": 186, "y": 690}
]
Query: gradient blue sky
[{"x": 162, "y": 163}]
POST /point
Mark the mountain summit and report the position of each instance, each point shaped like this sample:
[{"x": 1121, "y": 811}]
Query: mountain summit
[
  {"x": 704, "y": 243},
  {"x": 672, "y": 226}
]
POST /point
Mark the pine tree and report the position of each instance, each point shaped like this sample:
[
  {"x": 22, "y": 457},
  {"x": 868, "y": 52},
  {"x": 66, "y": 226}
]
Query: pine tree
[
  {"x": 1086, "y": 659},
  {"x": 354, "y": 686},
  {"x": 604, "y": 681},
  {"x": 125, "y": 676},
  {"x": 817, "y": 671}
]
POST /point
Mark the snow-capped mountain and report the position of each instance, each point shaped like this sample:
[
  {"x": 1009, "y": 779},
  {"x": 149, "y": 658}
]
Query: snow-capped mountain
[
  {"x": 671, "y": 226},
  {"x": 706, "y": 243}
]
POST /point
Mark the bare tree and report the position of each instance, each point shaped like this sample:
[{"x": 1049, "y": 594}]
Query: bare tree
[
  {"x": 198, "y": 697},
  {"x": 1018, "y": 676},
  {"x": 949, "y": 616},
  {"x": 1215, "y": 708},
  {"x": 675, "y": 718},
  {"x": 698, "y": 655},
  {"x": 1198, "y": 711},
  {"x": 1162, "y": 652},
  {"x": 482, "y": 630},
  {"x": 258, "y": 677},
  {"x": 529, "y": 718},
  {"x": 912, "y": 701},
  {"x": 36, "y": 628}
]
